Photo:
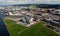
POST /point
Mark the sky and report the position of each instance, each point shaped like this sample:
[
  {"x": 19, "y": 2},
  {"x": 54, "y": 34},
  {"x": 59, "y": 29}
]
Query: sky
[{"x": 7, "y": 2}]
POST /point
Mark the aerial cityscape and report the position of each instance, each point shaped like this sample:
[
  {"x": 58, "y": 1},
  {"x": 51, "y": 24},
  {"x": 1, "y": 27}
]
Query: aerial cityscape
[{"x": 29, "y": 19}]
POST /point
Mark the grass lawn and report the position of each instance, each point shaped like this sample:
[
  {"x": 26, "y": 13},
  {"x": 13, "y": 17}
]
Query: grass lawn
[
  {"x": 35, "y": 30},
  {"x": 13, "y": 28}
]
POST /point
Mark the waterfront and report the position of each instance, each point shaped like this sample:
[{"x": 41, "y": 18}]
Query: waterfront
[{"x": 3, "y": 30}]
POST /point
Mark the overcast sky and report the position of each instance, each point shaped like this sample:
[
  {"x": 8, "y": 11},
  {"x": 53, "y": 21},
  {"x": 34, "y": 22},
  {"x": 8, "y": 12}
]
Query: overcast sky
[{"x": 4, "y": 2}]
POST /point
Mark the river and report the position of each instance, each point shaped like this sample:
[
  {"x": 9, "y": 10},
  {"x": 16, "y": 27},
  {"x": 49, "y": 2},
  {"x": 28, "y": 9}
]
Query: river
[{"x": 3, "y": 30}]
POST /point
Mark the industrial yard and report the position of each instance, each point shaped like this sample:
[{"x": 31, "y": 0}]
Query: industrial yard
[
  {"x": 35, "y": 30},
  {"x": 27, "y": 19}
]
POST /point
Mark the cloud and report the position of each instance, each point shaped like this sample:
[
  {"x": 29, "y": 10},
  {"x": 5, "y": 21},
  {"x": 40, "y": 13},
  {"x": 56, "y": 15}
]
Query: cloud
[{"x": 29, "y": 2}]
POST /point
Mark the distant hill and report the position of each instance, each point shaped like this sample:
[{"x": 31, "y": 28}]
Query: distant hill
[
  {"x": 40, "y": 5},
  {"x": 49, "y": 5}
]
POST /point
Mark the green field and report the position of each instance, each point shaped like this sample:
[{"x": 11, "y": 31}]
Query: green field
[{"x": 35, "y": 30}]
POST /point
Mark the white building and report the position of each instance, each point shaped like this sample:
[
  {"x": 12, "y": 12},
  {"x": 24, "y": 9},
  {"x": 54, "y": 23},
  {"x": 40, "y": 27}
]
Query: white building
[
  {"x": 13, "y": 13},
  {"x": 44, "y": 14},
  {"x": 27, "y": 19}
]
